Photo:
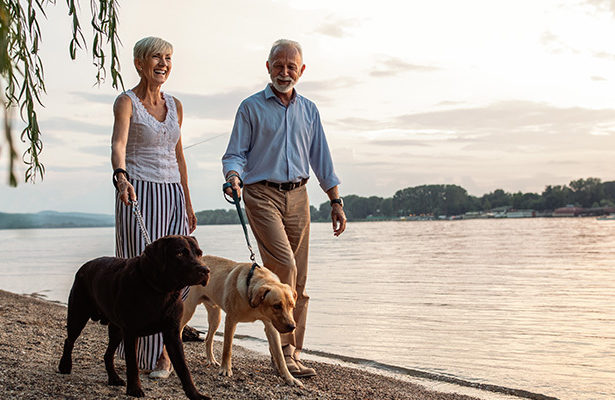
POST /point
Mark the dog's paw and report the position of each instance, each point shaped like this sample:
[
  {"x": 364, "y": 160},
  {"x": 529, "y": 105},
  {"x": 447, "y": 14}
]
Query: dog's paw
[
  {"x": 65, "y": 366},
  {"x": 292, "y": 381},
  {"x": 195, "y": 395},
  {"x": 135, "y": 392},
  {"x": 200, "y": 397},
  {"x": 116, "y": 381},
  {"x": 212, "y": 363},
  {"x": 226, "y": 371}
]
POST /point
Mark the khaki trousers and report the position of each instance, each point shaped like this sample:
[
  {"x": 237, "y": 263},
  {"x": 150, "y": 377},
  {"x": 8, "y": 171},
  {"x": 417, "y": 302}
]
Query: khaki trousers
[{"x": 280, "y": 221}]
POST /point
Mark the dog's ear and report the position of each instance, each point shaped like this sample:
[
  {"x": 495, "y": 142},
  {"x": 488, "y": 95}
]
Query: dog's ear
[
  {"x": 193, "y": 240},
  {"x": 194, "y": 244},
  {"x": 259, "y": 296},
  {"x": 153, "y": 250}
]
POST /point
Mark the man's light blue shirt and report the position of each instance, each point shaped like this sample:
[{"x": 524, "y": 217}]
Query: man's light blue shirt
[{"x": 277, "y": 143}]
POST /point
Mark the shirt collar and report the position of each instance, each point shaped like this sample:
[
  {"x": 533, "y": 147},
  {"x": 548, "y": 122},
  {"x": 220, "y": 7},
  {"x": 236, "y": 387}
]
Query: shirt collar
[{"x": 269, "y": 94}]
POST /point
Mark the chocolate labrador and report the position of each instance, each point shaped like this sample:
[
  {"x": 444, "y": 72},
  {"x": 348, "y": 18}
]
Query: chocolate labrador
[{"x": 136, "y": 297}]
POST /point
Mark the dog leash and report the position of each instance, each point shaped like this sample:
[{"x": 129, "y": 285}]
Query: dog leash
[
  {"x": 236, "y": 200},
  {"x": 137, "y": 213}
]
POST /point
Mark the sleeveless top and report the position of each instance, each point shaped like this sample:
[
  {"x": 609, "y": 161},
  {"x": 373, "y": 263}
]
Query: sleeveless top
[{"x": 150, "y": 149}]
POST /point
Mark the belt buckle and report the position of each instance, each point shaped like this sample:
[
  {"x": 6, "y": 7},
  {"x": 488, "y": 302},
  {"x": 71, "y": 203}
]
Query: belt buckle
[{"x": 287, "y": 186}]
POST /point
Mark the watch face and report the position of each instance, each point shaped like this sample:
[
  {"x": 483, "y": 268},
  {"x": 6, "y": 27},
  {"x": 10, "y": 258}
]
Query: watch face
[{"x": 337, "y": 201}]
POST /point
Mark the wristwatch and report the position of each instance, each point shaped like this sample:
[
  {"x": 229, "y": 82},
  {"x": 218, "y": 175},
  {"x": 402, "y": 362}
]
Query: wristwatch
[{"x": 337, "y": 201}]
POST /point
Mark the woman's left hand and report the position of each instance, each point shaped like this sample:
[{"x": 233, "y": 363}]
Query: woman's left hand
[{"x": 191, "y": 219}]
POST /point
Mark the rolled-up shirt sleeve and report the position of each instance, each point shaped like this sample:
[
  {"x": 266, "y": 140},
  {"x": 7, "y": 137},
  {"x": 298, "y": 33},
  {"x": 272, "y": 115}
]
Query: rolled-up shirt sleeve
[
  {"x": 320, "y": 157},
  {"x": 235, "y": 157}
]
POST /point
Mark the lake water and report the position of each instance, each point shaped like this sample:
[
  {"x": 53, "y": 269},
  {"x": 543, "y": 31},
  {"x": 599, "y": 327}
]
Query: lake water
[{"x": 527, "y": 304}]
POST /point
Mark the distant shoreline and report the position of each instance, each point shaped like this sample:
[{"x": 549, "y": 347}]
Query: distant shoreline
[{"x": 4, "y": 225}]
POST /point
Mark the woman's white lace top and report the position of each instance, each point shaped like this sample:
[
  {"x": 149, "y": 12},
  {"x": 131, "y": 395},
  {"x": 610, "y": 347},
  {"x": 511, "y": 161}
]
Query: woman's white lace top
[{"x": 150, "y": 149}]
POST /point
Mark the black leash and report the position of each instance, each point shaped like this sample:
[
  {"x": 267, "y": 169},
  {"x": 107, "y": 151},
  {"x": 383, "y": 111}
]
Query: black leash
[{"x": 236, "y": 201}]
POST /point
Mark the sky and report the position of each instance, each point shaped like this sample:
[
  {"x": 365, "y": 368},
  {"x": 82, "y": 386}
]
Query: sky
[{"x": 485, "y": 94}]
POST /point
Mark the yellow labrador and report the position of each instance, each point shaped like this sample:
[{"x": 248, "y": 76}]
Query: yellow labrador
[{"x": 245, "y": 294}]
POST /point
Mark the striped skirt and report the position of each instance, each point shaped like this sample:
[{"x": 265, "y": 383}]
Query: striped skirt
[{"x": 163, "y": 208}]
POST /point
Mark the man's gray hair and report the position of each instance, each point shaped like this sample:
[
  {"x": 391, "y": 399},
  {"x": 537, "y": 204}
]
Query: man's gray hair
[
  {"x": 278, "y": 44},
  {"x": 150, "y": 45}
]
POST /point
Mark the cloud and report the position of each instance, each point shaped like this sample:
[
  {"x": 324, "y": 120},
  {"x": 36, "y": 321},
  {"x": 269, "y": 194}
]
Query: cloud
[
  {"x": 332, "y": 84},
  {"x": 104, "y": 151},
  {"x": 337, "y": 27},
  {"x": 212, "y": 106},
  {"x": 598, "y": 78},
  {"x": 317, "y": 90},
  {"x": 399, "y": 143},
  {"x": 362, "y": 124},
  {"x": 395, "y": 66},
  {"x": 447, "y": 103},
  {"x": 73, "y": 125},
  {"x": 605, "y": 55},
  {"x": 218, "y": 106},
  {"x": 555, "y": 45},
  {"x": 602, "y": 5},
  {"x": 520, "y": 126},
  {"x": 506, "y": 116},
  {"x": 96, "y": 97}
]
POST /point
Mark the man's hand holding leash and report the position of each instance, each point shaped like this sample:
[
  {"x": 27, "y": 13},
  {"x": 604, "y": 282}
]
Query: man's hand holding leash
[{"x": 236, "y": 184}]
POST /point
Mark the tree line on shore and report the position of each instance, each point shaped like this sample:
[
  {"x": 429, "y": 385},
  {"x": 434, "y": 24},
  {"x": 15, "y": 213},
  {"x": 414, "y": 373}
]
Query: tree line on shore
[{"x": 450, "y": 200}]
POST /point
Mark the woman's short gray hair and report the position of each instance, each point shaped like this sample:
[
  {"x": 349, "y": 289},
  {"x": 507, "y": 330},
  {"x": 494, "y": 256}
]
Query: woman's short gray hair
[
  {"x": 151, "y": 45},
  {"x": 278, "y": 44}
]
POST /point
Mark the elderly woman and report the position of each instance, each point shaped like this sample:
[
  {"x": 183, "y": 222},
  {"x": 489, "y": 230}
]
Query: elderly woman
[{"x": 149, "y": 167}]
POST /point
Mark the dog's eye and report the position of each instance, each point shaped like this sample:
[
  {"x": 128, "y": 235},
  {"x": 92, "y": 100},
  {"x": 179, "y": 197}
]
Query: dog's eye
[
  {"x": 277, "y": 306},
  {"x": 182, "y": 252}
]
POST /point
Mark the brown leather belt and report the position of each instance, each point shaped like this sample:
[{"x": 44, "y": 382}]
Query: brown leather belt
[{"x": 285, "y": 186}]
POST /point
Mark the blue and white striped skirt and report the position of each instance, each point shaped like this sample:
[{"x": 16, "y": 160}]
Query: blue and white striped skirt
[{"x": 163, "y": 208}]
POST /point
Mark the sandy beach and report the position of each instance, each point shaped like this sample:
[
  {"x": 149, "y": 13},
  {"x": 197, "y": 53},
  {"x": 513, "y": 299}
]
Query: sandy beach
[{"x": 33, "y": 331}]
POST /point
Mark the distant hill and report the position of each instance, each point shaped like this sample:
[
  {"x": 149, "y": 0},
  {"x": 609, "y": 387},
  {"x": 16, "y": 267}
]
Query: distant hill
[{"x": 54, "y": 219}]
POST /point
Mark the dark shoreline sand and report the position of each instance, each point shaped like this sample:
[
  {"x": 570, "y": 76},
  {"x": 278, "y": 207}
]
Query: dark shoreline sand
[{"x": 33, "y": 330}]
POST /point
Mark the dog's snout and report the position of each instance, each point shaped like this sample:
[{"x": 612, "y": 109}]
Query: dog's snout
[
  {"x": 290, "y": 327},
  {"x": 204, "y": 272}
]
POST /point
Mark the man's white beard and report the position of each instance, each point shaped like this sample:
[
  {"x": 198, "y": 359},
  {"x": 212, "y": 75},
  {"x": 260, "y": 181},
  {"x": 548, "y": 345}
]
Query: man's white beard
[{"x": 285, "y": 88}]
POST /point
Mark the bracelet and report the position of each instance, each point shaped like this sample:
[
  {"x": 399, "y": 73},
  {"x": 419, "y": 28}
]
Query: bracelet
[{"x": 115, "y": 174}]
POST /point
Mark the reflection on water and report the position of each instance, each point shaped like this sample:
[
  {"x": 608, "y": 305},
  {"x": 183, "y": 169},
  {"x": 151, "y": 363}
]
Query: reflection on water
[{"x": 521, "y": 303}]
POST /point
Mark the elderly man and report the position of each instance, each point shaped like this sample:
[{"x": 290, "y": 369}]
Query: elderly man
[{"x": 276, "y": 137}]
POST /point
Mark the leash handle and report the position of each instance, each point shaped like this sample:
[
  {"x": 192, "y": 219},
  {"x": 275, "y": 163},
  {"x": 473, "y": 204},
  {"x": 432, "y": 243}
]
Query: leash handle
[
  {"x": 137, "y": 213},
  {"x": 235, "y": 198}
]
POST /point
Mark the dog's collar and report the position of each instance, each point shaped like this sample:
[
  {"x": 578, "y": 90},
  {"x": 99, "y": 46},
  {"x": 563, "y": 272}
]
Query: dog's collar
[{"x": 250, "y": 274}]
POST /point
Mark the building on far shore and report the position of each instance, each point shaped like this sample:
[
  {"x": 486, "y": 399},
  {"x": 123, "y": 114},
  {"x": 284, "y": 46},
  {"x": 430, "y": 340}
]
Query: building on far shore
[
  {"x": 507, "y": 212},
  {"x": 568, "y": 211},
  {"x": 572, "y": 211},
  {"x": 520, "y": 214}
]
